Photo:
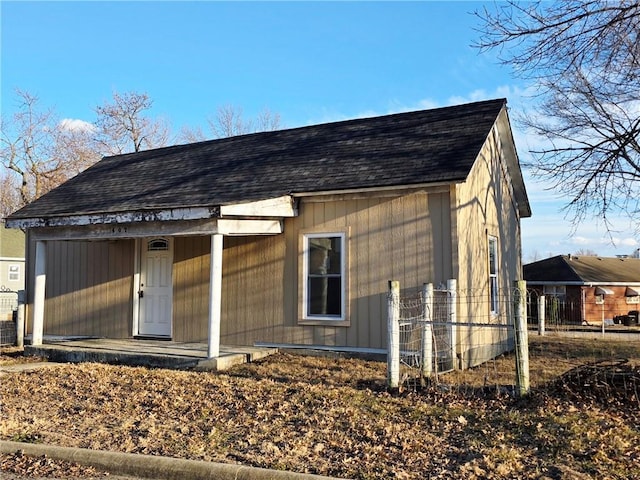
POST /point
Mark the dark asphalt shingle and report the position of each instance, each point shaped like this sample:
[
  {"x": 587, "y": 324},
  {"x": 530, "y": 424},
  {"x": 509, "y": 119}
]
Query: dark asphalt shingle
[{"x": 428, "y": 146}]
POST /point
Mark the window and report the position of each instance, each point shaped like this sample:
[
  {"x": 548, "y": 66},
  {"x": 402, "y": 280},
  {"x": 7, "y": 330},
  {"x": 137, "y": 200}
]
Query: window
[
  {"x": 555, "y": 290},
  {"x": 324, "y": 289},
  {"x": 493, "y": 274},
  {"x": 600, "y": 293},
  {"x": 157, "y": 244},
  {"x": 14, "y": 273},
  {"x": 632, "y": 295}
]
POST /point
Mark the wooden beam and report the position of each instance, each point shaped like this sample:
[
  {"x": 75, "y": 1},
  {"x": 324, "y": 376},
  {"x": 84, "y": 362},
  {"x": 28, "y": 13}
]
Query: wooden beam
[
  {"x": 158, "y": 229},
  {"x": 118, "y": 218},
  {"x": 249, "y": 227},
  {"x": 271, "y": 207}
]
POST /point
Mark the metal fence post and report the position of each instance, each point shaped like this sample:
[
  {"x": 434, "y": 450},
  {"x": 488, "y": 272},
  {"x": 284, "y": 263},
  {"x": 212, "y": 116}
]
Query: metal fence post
[
  {"x": 426, "y": 358},
  {"x": 393, "y": 325},
  {"x": 541, "y": 315},
  {"x": 522, "y": 338}
]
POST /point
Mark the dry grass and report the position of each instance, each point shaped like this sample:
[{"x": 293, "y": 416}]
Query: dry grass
[{"x": 334, "y": 417}]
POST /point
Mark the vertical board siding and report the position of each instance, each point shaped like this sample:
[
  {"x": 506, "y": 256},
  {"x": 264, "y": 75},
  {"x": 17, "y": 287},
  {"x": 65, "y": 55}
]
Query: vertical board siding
[
  {"x": 252, "y": 289},
  {"x": 486, "y": 206},
  {"x": 89, "y": 288},
  {"x": 404, "y": 237},
  {"x": 191, "y": 288},
  {"x": 389, "y": 238}
]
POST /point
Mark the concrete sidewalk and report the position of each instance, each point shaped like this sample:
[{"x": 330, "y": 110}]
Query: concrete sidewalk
[
  {"x": 26, "y": 367},
  {"x": 153, "y": 467}
]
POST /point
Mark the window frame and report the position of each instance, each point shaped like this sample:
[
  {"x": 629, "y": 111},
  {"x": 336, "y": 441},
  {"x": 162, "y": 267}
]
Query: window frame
[
  {"x": 493, "y": 278},
  {"x": 630, "y": 298},
  {"x": 633, "y": 299},
  {"x": 559, "y": 291},
  {"x": 304, "y": 316},
  {"x": 13, "y": 270}
]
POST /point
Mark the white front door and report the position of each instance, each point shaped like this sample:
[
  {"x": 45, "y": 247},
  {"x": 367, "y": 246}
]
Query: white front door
[{"x": 156, "y": 287}]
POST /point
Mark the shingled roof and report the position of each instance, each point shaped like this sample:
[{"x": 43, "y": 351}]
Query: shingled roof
[
  {"x": 583, "y": 269},
  {"x": 422, "y": 147}
]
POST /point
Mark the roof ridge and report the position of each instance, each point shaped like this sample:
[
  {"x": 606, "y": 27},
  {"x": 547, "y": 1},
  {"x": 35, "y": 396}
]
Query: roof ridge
[
  {"x": 317, "y": 125},
  {"x": 567, "y": 259},
  {"x": 432, "y": 146}
]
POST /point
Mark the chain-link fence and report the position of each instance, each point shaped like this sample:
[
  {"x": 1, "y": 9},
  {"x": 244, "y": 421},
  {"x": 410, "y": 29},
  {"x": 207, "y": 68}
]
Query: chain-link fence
[{"x": 8, "y": 315}]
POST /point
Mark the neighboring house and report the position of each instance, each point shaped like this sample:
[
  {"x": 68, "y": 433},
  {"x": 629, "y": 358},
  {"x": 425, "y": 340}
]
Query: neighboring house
[
  {"x": 12, "y": 278},
  {"x": 12, "y": 250},
  {"x": 585, "y": 288},
  {"x": 287, "y": 237}
]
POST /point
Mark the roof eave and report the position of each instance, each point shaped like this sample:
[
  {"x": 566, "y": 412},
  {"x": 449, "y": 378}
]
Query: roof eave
[
  {"x": 513, "y": 164},
  {"x": 382, "y": 189},
  {"x": 115, "y": 217},
  {"x": 283, "y": 206}
]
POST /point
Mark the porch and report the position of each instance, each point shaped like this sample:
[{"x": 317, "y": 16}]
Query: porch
[{"x": 146, "y": 353}]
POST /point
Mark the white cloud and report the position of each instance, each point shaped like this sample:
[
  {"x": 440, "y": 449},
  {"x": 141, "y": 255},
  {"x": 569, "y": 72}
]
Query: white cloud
[
  {"x": 427, "y": 104},
  {"x": 76, "y": 125},
  {"x": 581, "y": 241},
  {"x": 626, "y": 242}
]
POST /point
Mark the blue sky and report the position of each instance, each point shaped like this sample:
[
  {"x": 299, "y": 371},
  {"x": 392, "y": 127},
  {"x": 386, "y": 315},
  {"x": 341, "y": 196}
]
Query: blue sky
[{"x": 309, "y": 62}]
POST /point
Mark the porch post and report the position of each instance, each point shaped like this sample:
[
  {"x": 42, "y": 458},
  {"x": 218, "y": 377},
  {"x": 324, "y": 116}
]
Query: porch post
[
  {"x": 215, "y": 295},
  {"x": 38, "y": 292}
]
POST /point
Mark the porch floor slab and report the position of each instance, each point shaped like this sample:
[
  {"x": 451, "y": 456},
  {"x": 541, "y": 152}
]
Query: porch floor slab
[{"x": 146, "y": 353}]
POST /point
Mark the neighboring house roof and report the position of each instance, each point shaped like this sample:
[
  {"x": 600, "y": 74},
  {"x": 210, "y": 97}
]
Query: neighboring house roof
[
  {"x": 583, "y": 269},
  {"x": 422, "y": 147},
  {"x": 12, "y": 242}
]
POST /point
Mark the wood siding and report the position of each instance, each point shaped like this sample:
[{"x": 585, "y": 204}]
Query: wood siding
[
  {"x": 404, "y": 237},
  {"x": 89, "y": 288},
  {"x": 191, "y": 257},
  {"x": 485, "y": 206}
]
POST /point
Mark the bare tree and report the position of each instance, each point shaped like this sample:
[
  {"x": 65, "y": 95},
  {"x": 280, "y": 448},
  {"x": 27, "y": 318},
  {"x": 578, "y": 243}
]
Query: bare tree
[
  {"x": 123, "y": 127},
  {"x": 584, "y": 58},
  {"x": 229, "y": 122},
  {"x": 191, "y": 135},
  {"x": 39, "y": 152},
  {"x": 9, "y": 193},
  {"x": 586, "y": 252}
]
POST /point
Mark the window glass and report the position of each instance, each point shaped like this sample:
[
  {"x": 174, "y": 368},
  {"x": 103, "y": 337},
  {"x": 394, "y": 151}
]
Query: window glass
[
  {"x": 324, "y": 262},
  {"x": 555, "y": 290},
  {"x": 158, "y": 244},
  {"x": 493, "y": 274},
  {"x": 14, "y": 273}
]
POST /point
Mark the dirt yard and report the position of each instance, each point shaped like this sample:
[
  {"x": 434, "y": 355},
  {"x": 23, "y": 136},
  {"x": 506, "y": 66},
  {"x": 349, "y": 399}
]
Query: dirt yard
[{"x": 334, "y": 416}]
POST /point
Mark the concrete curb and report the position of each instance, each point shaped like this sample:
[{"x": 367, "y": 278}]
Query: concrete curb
[{"x": 149, "y": 466}]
